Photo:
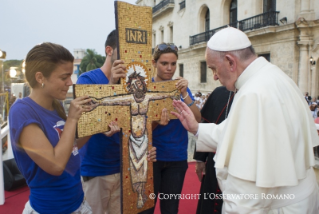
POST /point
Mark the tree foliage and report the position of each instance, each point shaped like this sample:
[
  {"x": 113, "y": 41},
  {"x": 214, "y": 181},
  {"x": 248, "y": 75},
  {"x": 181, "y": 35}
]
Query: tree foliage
[{"x": 92, "y": 60}]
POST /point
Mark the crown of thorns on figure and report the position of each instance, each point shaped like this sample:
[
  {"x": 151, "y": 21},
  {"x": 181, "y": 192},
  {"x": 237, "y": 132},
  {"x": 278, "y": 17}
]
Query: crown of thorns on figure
[{"x": 133, "y": 76}]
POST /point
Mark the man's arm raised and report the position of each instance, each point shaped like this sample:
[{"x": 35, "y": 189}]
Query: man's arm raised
[
  {"x": 186, "y": 116},
  {"x": 209, "y": 134}
]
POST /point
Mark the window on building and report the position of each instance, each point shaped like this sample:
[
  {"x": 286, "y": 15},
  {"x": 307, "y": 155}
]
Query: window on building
[
  {"x": 154, "y": 40},
  {"x": 203, "y": 72},
  {"x": 233, "y": 13},
  {"x": 181, "y": 70},
  {"x": 171, "y": 34},
  {"x": 182, "y": 5},
  {"x": 207, "y": 20},
  {"x": 266, "y": 56},
  {"x": 269, "y": 5},
  {"x": 162, "y": 36}
]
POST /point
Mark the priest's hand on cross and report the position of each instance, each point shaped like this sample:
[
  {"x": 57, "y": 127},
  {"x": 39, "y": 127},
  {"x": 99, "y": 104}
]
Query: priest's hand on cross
[{"x": 186, "y": 116}]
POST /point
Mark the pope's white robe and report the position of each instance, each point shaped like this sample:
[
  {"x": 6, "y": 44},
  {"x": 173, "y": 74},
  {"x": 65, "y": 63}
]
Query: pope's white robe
[{"x": 265, "y": 146}]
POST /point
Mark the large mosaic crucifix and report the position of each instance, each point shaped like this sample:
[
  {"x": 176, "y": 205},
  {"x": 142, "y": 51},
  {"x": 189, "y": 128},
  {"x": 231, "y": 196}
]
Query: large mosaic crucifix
[{"x": 134, "y": 105}]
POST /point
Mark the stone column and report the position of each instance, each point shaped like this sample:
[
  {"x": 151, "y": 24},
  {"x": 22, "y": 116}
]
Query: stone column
[
  {"x": 306, "y": 10},
  {"x": 314, "y": 82},
  {"x": 305, "y": 4},
  {"x": 303, "y": 68}
]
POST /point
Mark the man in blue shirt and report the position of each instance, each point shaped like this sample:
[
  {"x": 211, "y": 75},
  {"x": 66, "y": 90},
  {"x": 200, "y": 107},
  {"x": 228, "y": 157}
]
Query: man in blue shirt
[{"x": 100, "y": 157}]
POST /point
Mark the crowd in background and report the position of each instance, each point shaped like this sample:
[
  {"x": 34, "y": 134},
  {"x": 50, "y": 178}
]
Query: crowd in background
[
  {"x": 200, "y": 99},
  {"x": 313, "y": 105}
]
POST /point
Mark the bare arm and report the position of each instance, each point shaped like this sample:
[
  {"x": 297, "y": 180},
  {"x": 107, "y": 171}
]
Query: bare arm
[
  {"x": 193, "y": 107},
  {"x": 53, "y": 159},
  {"x": 81, "y": 141},
  {"x": 182, "y": 84}
]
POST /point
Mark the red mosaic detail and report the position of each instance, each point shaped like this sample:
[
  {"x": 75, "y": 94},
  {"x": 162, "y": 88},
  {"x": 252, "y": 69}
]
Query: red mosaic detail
[
  {"x": 115, "y": 119},
  {"x": 154, "y": 87},
  {"x": 106, "y": 112},
  {"x": 140, "y": 56},
  {"x": 125, "y": 51},
  {"x": 112, "y": 87}
]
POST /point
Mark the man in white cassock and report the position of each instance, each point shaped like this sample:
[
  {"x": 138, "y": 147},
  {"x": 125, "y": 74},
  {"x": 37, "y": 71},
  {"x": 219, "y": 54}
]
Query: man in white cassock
[{"x": 264, "y": 149}]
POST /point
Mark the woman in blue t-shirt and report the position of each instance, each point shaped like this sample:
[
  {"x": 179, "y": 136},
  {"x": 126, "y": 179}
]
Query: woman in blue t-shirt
[
  {"x": 43, "y": 138},
  {"x": 170, "y": 140}
]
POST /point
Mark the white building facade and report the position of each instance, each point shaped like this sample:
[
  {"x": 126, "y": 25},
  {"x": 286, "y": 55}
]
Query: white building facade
[
  {"x": 286, "y": 32},
  {"x": 78, "y": 55}
]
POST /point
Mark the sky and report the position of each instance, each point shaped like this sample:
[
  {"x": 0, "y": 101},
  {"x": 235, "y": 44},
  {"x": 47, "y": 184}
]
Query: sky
[{"x": 73, "y": 24}]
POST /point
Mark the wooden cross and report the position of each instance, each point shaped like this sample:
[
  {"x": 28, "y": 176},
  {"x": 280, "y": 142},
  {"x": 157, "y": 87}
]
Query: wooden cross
[
  {"x": 134, "y": 111},
  {"x": 134, "y": 105}
]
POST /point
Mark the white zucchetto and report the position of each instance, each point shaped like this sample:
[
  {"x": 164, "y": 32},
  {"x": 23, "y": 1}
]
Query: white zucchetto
[{"x": 228, "y": 39}]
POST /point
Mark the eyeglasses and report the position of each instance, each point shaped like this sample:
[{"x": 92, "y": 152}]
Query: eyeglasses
[{"x": 164, "y": 46}]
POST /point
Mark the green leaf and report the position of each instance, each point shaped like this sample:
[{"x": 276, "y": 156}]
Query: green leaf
[{"x": 92, "y": 60}]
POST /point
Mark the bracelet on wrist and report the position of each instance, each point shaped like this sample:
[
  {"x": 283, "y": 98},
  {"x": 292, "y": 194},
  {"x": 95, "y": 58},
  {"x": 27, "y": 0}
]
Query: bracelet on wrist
[
  {"x": 189, "y": 105},
  {"x": 184, "y": 97}
]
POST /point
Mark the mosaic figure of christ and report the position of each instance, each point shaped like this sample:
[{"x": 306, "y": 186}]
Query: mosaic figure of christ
[{"x": 138, "y": 99}]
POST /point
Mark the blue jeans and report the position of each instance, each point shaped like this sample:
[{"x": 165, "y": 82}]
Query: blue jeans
[{"x": 168, "y": 179}]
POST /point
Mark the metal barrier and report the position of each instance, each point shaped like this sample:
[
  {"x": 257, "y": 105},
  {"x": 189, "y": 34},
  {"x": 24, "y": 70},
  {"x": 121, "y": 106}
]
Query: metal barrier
[
  {"x": 262, "y": 20},
  {"x": 4, "y": 133},
  {"x": 162, "y": 4},
  {"x": 4, "y": 102},
  {"x": 204, "y": 37},
  {"x": 2, "y": 199}
]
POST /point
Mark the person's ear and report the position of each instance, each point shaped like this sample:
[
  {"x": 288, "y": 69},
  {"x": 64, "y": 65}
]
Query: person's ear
[
  {"x": 39, "y": 77},
  {"x": 109, "y": 50},
  {"x": 231, "y": 62},
  {"x": 154, "y": 63}
]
